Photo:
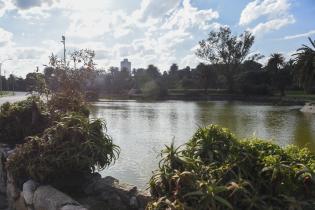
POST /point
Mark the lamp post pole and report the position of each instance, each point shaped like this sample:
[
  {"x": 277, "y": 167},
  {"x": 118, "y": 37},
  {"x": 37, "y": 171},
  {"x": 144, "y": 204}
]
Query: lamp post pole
[{"x": 63, "y": 41}]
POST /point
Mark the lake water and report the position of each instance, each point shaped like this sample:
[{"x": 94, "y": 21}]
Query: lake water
[{"x": 141, "y": 129}]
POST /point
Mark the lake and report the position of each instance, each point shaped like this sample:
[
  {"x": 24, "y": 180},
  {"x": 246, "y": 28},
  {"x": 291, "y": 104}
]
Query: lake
[{"x": 141, "y": 129}]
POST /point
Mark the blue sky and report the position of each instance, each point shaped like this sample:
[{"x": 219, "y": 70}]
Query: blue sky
[{"x": 159, "y": 32}]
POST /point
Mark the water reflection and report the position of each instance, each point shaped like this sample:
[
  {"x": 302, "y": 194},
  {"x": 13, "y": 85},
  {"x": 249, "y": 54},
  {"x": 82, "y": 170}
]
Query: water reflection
[
  {"x": 303, "y": 135},
  {"x": 142, "y": 129}
]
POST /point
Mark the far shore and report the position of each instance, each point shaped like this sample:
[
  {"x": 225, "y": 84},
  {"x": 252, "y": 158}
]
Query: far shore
[{"x": 273, "y": 100}]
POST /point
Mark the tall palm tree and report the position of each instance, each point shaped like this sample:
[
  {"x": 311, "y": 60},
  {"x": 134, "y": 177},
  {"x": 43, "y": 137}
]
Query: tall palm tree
[
  {"x": 275, "y": 62},
  {"x": 305, "y": 65}
]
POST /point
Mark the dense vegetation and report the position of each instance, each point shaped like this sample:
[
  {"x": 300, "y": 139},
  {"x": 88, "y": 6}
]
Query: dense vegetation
[
  {"x": 227, "y": 65},
  {"x": 22, "y": 119},
  {"x": 55, "y": 141},
  {"x": 71, "y": 148},
  {"x": 214, "y": 170}
]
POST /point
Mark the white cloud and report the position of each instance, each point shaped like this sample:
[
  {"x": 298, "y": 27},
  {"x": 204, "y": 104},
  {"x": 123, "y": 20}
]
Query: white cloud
[
  {"x": 5, "y": 37},
  {"x": 5, "y": 6},
  {"x": 272, "y": 25},
  {"x": 91, "y": 24},
  {"x": 273, "y": 15},
  {"x": 29, "y": 53},
  {"x": 2, "y": 8},
  {"x": 22, "y": 4},
  {"x": 150, "y": 34},
  {"x": 300, "y": 35},
  {"x": 189, "y": 16},
  {"x": 157, "y": 28},
  {"x": 155, "y": 8},
  {"x": 259, "y": 8},
  {"x": 30, "y": 9}
]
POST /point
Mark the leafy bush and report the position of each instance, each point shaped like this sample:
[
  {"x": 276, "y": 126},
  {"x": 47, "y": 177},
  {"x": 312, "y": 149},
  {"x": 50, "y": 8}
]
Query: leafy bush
[
  {"x": 72, "y": 147},
  {"x": 216, "y": 171},
  {"x": 22, "y": 119},
  {"x": 61, "y": 147},
  {"x": 61, "y": 103}
]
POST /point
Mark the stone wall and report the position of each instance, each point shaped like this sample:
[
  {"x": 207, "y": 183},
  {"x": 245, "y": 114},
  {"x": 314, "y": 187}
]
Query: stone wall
[{"x": 97, "y": 194}]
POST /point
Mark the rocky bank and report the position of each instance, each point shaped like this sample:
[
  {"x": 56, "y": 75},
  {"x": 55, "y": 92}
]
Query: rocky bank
[{"x": 97, "y": 193}]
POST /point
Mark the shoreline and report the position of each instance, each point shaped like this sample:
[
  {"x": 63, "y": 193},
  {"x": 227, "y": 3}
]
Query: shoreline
[{"x": 268, "y": 100}]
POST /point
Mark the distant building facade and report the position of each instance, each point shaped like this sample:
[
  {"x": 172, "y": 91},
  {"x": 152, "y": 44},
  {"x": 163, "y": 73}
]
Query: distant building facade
[{"x": 125, "y": 64}]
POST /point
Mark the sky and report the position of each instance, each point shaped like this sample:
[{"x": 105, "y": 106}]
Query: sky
[{"x": 159, "y": 32}]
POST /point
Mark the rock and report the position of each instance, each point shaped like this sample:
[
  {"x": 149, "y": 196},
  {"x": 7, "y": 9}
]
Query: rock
[
  {"x": 114, "y": 201},
  {"x": 72, "y": 207},
  {"x": 117, "y": 195},
  {"x": 143, "y": 199},
  {"x": 97, "y": 185},
  {"x": 49, "y": 198},
  {"x": 92, "y": 202},
  {"x": 133, "y": 202},
  {"x": 29, "y": 188},
  {"x": 127, "y": 188},
  {"x": 110, "y": 180}
]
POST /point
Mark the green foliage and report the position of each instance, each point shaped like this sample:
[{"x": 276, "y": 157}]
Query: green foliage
[
  {"x": 214, "y": 170},
  {"x": 63, "y": 146},
  {"x": 72, "y": 147},
  {"x": 22, "y": 119},
  {"x": 222, "y": 47},
  {"x": 305, "y": 65},
  {"x": 62, "y": 102},
  {"x": 35, "y": 83},
  {"x": 254, "y": 83}
]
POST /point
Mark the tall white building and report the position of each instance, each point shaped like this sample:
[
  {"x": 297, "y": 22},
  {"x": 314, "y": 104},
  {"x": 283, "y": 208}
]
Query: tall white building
[{"x": 125, "y": 64}]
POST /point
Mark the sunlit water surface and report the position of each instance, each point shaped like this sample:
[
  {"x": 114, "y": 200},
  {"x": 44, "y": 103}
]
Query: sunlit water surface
[{"x": 141, "y": 129}]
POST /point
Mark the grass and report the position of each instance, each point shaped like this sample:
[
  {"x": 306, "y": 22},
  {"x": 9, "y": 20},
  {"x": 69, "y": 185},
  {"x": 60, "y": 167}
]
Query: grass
[
  {"x": 5, "y": 93},
  {"x": 300, "y": 95}
]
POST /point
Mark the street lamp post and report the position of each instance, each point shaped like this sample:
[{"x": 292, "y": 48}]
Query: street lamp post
[
  {"x": 63, "y": 41},
  {"x": 1, "y": 63}
]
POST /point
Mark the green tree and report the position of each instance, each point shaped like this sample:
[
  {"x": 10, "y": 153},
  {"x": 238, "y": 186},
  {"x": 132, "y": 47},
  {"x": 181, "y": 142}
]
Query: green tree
[
  {"x": 206, "y": 75},
  {"x": 280, "y": 72},
  {"x": 275, "y": 62},
  {"x": 222, "y": 47},
  {"x": 153, "y": 72},
  {"x": 305, "y": 65},
  {"x": 35, "y": 83}
]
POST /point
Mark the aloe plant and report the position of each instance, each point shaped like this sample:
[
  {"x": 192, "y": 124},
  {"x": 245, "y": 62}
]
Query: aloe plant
[{"x": 214, "y": 170}]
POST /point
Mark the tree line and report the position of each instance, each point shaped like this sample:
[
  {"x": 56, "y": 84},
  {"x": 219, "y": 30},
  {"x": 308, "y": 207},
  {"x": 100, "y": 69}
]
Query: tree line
[{"x": 228, "y": 65}]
